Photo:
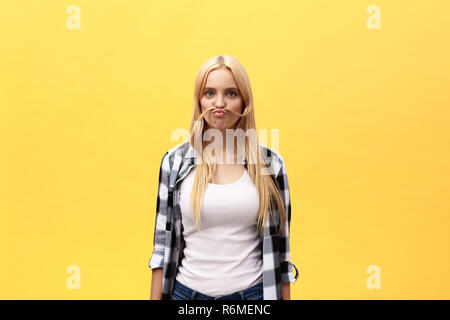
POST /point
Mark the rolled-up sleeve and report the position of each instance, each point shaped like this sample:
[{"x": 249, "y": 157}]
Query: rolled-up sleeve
[
  {"x": 286, "y": 265},
  {"x": 157, "y": 258}
]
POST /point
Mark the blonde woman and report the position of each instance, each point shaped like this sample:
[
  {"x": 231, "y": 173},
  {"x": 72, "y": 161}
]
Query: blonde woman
[{"x": 223, "y": 207}]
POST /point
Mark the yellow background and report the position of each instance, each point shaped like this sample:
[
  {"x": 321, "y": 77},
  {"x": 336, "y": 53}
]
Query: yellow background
[{"x": 86, "y": 116}]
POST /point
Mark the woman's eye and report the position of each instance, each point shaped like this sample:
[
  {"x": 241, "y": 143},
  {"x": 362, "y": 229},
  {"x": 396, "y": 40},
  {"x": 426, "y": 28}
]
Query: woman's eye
[{"x": 234, "y": 93}]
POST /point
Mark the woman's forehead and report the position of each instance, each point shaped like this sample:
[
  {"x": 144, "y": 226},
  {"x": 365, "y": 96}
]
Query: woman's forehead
[{"x": 221, "y": 79}]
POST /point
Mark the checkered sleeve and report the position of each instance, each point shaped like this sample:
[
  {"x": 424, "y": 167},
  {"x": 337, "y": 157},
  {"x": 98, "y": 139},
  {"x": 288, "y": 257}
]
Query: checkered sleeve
[
  {"x": 157, "y": 259},
  {"x": 285, "y": 263}
]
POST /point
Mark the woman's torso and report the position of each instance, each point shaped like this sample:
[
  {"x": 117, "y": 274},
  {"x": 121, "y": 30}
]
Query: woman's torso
[{"x": 225, "y": 255}]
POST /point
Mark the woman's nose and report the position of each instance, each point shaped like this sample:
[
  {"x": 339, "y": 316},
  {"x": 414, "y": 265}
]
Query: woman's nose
[{"x": 220, "y": 101}]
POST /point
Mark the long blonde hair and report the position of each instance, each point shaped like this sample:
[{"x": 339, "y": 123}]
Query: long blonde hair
[{"x": 269, "y": 195}]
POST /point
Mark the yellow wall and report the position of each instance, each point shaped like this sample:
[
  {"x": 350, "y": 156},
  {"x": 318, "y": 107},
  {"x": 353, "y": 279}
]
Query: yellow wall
[{"x": 86, "y": 115}]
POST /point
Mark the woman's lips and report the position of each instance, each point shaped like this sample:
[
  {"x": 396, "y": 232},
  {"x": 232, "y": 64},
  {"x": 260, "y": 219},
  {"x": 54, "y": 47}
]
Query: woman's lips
[{"x": 219, "y": 113}]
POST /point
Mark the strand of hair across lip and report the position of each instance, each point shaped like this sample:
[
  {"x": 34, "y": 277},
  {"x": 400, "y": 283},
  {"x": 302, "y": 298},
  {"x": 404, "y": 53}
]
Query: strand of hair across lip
[{"x": 202, "y": 115}]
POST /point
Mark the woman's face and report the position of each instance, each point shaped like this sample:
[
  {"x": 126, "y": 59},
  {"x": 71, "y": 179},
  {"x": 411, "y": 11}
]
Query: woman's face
[{"x": 221, "y": 91}]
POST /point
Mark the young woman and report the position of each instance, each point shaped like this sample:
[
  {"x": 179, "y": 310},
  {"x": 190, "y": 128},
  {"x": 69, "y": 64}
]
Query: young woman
[{"x": 223, "y": 208}]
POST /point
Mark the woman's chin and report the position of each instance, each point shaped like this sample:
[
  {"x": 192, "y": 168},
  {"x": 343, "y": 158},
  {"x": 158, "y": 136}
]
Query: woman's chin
[{"x": 219, "y": 125}]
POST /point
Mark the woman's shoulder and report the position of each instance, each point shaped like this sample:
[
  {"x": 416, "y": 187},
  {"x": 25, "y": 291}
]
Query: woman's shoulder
[
  {"x": 273, "y": 158},
  {"x": 181, "y": 150},
  {"x": 269, "y": 152},
  {"x": 184, "y": 150}
]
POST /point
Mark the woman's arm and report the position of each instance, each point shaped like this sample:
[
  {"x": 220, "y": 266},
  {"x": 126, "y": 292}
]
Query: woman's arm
[
  {"x": 285, "y": 263},
  {"x": 286, "y": 290},
  {"x": 157, "y": 260},
  {"x": 157, "y": 277}
]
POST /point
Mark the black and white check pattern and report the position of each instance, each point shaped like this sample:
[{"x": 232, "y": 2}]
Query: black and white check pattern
[{"x": 168, "y": 238}]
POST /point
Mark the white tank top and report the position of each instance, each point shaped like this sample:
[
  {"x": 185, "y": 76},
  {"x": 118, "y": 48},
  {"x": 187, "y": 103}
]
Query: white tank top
[{"x": 225, "y": 255}]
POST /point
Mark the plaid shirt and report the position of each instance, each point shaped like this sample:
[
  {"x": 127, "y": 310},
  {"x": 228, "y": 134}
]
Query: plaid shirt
[{"x": 168, "y": 237}]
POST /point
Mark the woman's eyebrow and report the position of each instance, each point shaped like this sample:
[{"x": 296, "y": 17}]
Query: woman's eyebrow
[{"x": 209, "y": 88}]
